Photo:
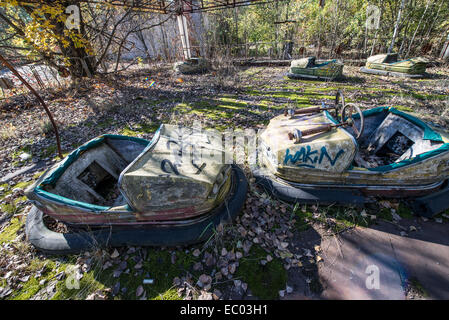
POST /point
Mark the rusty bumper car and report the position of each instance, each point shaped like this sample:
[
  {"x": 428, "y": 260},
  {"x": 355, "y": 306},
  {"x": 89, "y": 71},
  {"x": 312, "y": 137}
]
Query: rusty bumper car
[
  {"x": 390, "y": 65},
  {"x": 310, "y": 68},
  {"x": 119, "y": 190},
  {"x": 353, "y": 157},
  {"x": 192, "y": 66}
]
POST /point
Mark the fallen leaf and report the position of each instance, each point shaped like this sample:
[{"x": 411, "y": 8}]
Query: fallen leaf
[
  {"x": 115, "y": 254},
  {"x": 139, "y": 291}
]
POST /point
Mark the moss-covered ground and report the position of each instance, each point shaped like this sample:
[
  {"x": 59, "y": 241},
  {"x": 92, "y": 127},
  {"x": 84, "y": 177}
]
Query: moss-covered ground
[{"x": 247, "y": 100}]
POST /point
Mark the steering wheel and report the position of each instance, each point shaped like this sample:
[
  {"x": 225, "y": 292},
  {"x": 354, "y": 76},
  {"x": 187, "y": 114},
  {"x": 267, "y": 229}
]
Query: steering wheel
[
  {"x": 350, "y": 121},
  {"x": 338, "y": 107}
]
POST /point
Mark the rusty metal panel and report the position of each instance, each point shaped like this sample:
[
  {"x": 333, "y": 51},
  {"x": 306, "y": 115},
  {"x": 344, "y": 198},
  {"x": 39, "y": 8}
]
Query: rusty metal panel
[{"x": 331, "y": 151}]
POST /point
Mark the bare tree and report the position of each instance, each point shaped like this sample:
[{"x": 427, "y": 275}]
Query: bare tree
[
  {"x": 103, "y": 32},
  {"x": 417, "y": 28},
  {"x": 396, "y": 27}
]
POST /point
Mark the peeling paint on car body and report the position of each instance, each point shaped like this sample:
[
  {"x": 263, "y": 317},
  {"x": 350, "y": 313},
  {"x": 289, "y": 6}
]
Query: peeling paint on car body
[
  {"x": 152, "y": 194},
  {"x": 414, "y": 178},
  {"x": 331, "y": 151}
]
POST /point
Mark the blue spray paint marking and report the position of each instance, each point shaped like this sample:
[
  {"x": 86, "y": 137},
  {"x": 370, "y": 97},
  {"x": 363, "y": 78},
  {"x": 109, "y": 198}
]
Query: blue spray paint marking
[{"x": 309, "y": 158}]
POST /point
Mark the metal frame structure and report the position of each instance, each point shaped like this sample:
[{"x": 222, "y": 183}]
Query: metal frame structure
[
  {"x": 171, "y": 6},
  {"x": 184, "y": 33},
  {"x": 178, "y": 8},
  {"x": 183, "y": 6}
]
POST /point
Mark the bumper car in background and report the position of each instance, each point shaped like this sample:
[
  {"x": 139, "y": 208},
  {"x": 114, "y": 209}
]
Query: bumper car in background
[
  {"x": 192, "y": 66},
  {"x": 389, "y": 65},
  {"x": 310, "y": 68}
]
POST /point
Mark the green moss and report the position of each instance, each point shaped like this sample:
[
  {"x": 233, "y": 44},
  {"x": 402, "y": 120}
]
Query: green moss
[
  {"x": 20, "y": 199},
  {"x": 300, "y": 98},
  {"x": 233, "y": 101},
  {"x": 38, "y": 174},
  {"x": 29, "y": 289},
  {"x": 252, "y": 71},
  {"x": 126, "y": 131},
  {"x": 265, "y": 282},
  {"x": 9, "y": 208},
  {"x": 403, "y": 108},
  {"x": 170, "y": 294},
  {"x": 32, "y": 286},
  {"x": 217, "y": 110},
  {"x": 51, "y": 150},
  {"x": 50, "y": 270},
  {"x": 385, "y": 214},
  {"x": 426, "y": 96},
  {"x": 23, "y": 184},
  {"x": 423, "y": 96},
  {"x": 139, "y": 129},
  {"x": 383, "y": 90},
  {"x": 302, "y": 218},
  {"x": 9, "y": 233},
  {"x": 342, "y": 218},
  {"x": 303, "y": 81},
  {"x": 105, "y": 124},
  {"x": 15, "y": 155},
  {"x": 159, "y": 267},
  {"x": 148, "y": 128},
  {"x": 404, "y": 211},
  {"x": 348, "y": 218},
  {"x": 64, "y": 154},
  {"x": 89, "y": 124},
  {"x": 417, "y": 286},
  {"x": 8, "y": 189},
  {"x": 88, "y": 284}
]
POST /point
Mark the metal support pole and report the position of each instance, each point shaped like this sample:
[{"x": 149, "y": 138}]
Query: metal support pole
[
  {"x": 184, "y": 33},
  {"x": 17, "y": 74}
]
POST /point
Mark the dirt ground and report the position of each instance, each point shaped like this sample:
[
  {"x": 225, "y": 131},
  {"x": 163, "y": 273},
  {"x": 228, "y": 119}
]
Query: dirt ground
[{"x": 274, "y": 249}]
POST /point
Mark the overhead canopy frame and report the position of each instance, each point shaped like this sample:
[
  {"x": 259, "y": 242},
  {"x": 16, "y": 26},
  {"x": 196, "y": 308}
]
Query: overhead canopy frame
[{"x": 182, "y": 6}]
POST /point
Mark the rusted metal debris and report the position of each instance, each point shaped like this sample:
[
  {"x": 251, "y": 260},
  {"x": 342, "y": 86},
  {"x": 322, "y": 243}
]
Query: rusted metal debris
[{"x": 47, "y": 110}]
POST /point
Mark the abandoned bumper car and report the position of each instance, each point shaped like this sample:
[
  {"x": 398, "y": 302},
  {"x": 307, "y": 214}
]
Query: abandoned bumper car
[
  {"x": 192, "y": 66},
  {"x": 119, "y": 190},
  {"x": 310, "y": 68},
  {"x": 310, "y": 156},
  {"x": 389, "y": 65}
]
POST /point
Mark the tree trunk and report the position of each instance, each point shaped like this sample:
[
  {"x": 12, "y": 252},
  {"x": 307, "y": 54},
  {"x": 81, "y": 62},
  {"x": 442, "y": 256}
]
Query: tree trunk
[
  {"x": 81, "y": 63},
  {"x": 396, "y": 27},
  {"x": 141, "y": 38},
  {"x": 417, "y": 28},
  {"x": 445, "y": 52},
  {"x": 335, "y": 33},
  {"x": 374, "y": 43},
  {"x": 164, "y": 40},
  {"x": 431, "y": 24}
]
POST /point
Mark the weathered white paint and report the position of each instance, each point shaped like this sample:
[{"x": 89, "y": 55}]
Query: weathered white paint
[{"x": 184, "y": 34}]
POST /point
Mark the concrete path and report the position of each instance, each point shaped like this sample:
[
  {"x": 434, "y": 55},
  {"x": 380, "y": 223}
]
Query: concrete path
[{"x": 378, "y": 263}]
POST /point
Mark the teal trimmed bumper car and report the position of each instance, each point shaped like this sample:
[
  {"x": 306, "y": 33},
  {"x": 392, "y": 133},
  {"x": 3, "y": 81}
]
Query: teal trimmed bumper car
[
  {"x": 310, "y": 68},
  {"x": 311, "y": 156}
]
